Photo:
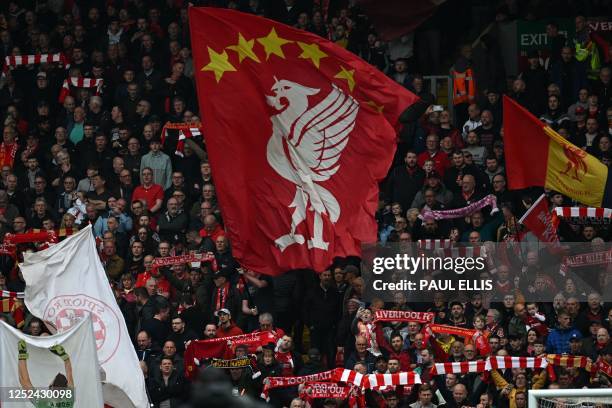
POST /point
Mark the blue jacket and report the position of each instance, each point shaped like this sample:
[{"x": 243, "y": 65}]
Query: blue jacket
[{"x": 558, "y": 340}]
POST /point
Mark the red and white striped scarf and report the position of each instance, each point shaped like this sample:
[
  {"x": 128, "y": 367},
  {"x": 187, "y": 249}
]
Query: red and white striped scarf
[
  {"x": 582, "y": 215},
  {"x": 11, "y": 294},
  {"x": 80, "y": 83},
  {"x": 464, "y": 252},
  {"x": 434, "y": 243},
  {"x": 494, "y": 363},
  {"x": 501, "y": 362},
  {"x": 186, "y": 131},
  {"x": 35, "y": 59},
  {"x": 373, "y": 381},
  {"x": 461, "y": 367}
]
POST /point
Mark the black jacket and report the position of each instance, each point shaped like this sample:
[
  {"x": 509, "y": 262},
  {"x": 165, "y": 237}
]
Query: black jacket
[
  {"x": 402, "y": 186},
  {"x": 174, "y": 391},
  {"x": 322, "y": 308}
]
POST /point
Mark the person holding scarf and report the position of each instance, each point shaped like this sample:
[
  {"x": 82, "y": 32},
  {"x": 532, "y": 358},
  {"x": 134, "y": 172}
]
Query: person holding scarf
[
  {"x": 8, "y": 147},
  {"x": 225, "y": 296}
]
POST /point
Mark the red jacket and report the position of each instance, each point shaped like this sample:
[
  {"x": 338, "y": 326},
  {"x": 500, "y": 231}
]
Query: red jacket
[
  {"x": 232, "y": 330},
  {"x": 440, "y": 159}
]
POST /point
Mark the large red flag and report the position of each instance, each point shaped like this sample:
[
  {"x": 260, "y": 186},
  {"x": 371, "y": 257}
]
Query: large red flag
[{"x": 299, "y": 132}]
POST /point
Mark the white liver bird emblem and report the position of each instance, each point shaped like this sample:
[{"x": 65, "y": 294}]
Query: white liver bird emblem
[{"x": 305, "y": 148}]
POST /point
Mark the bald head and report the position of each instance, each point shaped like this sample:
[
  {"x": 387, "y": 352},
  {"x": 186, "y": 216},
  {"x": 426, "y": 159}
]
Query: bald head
[{"x": 459, "y": 393}]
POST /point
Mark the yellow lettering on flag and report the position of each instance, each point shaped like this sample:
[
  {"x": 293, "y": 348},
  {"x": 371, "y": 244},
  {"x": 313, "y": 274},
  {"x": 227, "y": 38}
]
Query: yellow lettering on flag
[{"x": 574, "y": 172}]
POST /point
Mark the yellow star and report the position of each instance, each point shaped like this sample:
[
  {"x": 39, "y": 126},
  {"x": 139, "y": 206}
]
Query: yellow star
[
  {"x": 311, "y": 51},
  {"x": 273, "y": 44},
  {"x": 373, "y": 105},
  {"x": 218, "y": 64},
  {"x": 348, "y": 75},
  {"x": 244, "y": 49}
]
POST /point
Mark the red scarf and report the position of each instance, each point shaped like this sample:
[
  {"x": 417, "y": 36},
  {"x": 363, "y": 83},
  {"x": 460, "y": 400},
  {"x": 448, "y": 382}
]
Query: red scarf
[
  {"x": 222, "y": 294},
  {"x": 286, "y": 362},
  {"x": 603, "y": 367},
  {"x": 7, "y": 153},
  {"x": 403, "y": 316}
]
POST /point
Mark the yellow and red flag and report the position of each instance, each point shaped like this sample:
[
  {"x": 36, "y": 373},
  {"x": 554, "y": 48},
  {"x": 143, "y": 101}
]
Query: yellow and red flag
[
  {"x": 299, "y": 132},
  {"x": 536, "y": 155}
]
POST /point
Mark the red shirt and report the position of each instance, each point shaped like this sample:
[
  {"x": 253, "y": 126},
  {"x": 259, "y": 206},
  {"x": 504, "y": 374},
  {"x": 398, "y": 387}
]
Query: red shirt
[
  {"x": 163, "y": 286},
  {"x": 232, "y": 330},
  {"x": 440, "y": 159},
  {"x": 218, "y": 231},
  {"x": 148, "y": 195},
  {"x": 285, "y": 359}
]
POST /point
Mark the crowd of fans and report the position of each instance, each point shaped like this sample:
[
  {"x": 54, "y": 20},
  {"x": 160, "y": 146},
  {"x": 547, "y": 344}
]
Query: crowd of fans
[{"x": 97, "y": 158}]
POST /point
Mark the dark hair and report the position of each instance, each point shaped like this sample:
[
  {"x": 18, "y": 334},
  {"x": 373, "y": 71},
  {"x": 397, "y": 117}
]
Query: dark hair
[
  {"x": 395, "y": 334},
  {"x": 425, "y": 387},
  {"x": 455, "y": 303},
  {"x": 142, "y": 292},
  {"x": 60, "y": 381}
]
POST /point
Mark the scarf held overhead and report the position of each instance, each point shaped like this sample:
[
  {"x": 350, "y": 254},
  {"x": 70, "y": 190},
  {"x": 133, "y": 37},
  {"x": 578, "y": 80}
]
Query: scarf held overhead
[
  {"x": 489, "y": 200},
  {"x": 403, "y": 316}
]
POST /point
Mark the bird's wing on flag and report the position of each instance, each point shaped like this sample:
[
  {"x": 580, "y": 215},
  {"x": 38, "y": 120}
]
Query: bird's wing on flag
[{"x": 321, "y": 134}]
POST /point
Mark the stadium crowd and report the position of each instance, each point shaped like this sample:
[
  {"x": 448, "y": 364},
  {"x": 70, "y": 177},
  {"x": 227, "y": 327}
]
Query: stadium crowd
[{"x": 97, "y": 158}]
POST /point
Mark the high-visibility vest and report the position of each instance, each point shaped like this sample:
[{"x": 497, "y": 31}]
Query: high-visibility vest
[{"x": 464, "y": 87}]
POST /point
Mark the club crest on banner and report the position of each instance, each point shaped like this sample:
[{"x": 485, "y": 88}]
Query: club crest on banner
[
  {"x": 65, "y": 311},
  {"x": 305, "y": 148}
]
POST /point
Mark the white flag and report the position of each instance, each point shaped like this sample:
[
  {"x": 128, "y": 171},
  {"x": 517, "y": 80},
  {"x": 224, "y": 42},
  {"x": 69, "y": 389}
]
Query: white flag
[
  {"x": 66, "y": 282},
  {"x": 28, "y": 362}
]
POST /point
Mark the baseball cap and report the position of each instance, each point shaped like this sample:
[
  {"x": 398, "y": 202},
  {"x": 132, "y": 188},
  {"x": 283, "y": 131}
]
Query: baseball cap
[
  {"x": 575, "y": 337},
  {"x": 269, "y": 346},
  {"x": 41, "y": 74},
  {"x": 223, "y": 273},
  {"x": 223, "y": 310}
]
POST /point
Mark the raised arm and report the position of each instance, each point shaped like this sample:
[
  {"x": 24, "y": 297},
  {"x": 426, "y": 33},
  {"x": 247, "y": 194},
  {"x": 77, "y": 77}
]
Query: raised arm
[{"x": 24, "y": 376}]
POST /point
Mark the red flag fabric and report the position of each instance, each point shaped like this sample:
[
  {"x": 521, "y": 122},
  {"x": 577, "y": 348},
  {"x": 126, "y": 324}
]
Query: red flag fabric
[
  {"x": 299, "y": 132},
  {"x": 540, "y": 220},
  {"x": 222, "y": 347},
  {"x": 394, "y": 18}
]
